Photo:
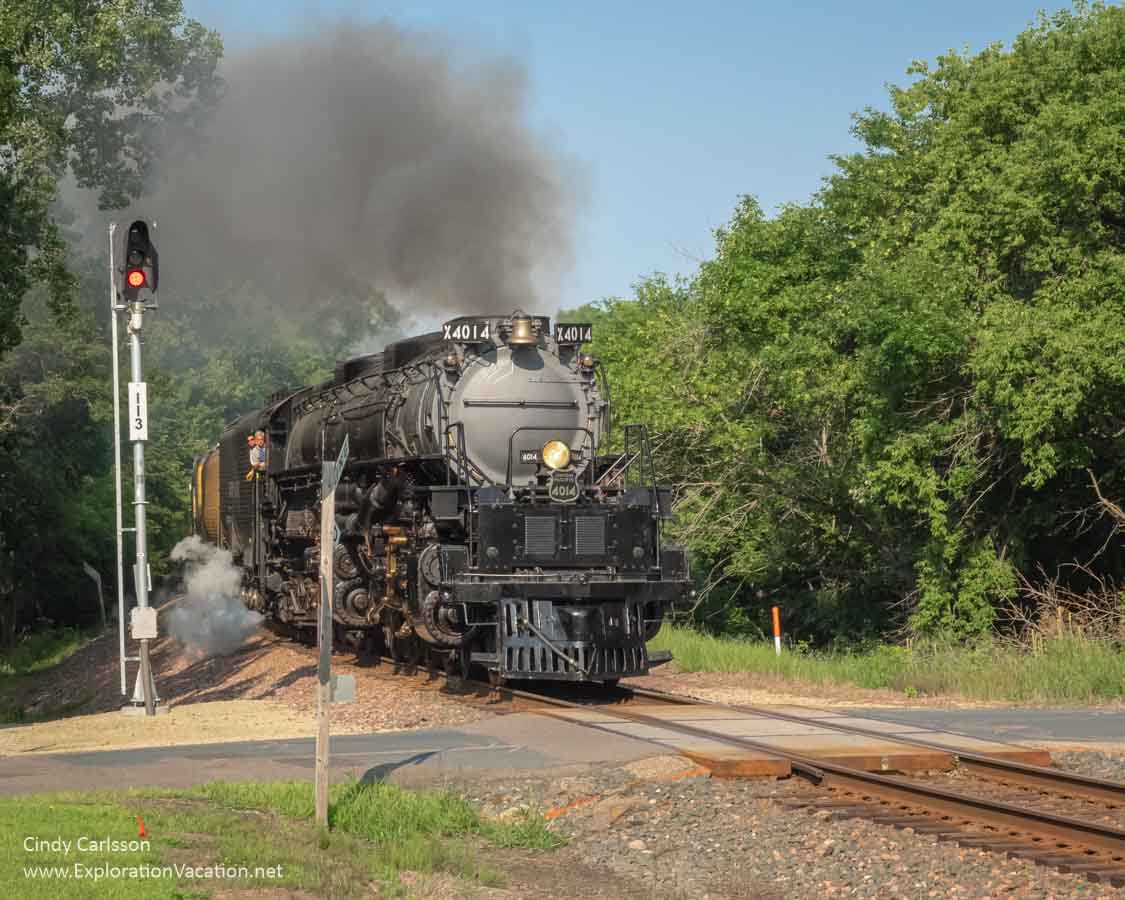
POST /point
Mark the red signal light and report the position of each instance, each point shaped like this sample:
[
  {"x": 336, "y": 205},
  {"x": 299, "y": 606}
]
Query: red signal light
[{"x": 135, "y": 278}]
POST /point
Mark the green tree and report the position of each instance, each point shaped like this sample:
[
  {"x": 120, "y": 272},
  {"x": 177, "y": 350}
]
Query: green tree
[
  {"x": 85, "y": 87},
  {"x": 888, "y": 405},
  {"x": 56, "y": 491}
]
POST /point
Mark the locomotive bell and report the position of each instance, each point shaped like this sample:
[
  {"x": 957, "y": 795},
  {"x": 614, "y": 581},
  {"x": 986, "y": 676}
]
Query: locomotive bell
[{"x": 523, "y": 331}]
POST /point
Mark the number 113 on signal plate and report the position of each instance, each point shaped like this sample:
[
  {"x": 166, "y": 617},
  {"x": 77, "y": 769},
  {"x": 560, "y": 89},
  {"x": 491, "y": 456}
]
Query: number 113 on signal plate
[{"x": 138, "y": 411}]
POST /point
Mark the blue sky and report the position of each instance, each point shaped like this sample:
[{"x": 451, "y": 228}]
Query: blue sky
[{"x": 676, "y": 109}]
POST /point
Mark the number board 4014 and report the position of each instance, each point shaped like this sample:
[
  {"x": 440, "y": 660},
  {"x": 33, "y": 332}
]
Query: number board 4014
[
  {"x": 573, "y": 333},
  {"x": 476, "y": 331}
]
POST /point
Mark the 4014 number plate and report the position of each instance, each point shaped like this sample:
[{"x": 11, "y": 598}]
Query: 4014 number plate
[
  {"x": 467, "y": 331},
  {"x": 563, "y": 487},
  {"x": 573, "y": 333}
]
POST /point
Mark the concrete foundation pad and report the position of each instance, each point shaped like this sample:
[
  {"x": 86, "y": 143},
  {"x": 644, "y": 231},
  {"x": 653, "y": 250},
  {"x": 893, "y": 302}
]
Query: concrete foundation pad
[{"x": 131, "y": 710}]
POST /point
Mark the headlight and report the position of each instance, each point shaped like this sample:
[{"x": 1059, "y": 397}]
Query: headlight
[{"x": 556, "y": 454}]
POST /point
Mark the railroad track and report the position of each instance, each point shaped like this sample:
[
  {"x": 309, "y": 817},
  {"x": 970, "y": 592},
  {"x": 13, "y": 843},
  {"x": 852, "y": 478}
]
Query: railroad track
[
  {"x": 1063, "y": 842},
  {"x": 1017, "y": 829},
  {"x": 1012, "y": 826}
]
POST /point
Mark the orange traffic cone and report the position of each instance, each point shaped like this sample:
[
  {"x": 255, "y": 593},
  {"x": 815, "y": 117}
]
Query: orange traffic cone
[{"x": 141, "y": 828}]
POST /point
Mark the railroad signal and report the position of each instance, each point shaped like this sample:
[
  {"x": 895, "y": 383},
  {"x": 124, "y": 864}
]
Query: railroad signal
[
  {"x": 141, "y": 269},
  {"x": 130, "y": 273}
]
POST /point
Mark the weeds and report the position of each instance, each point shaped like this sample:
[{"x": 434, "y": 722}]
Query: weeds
[
  {"x": 43, "y": 649},
  {"x": 528, "y": 830},
  {"x": 378, "y": 833},
  {"x": 422, "y": 831},
  {"x": 1065, "y": 668}
]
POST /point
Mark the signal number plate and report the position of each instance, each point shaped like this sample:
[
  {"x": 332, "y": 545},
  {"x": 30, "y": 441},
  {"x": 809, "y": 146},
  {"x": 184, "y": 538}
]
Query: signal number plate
[
  {"x": 573, "y": 333},
  {"x": 466, "y": 332}
]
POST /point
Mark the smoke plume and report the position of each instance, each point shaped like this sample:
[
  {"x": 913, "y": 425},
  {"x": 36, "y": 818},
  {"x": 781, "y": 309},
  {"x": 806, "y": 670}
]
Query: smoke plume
[
  {"x": 366, "y": 164},
  {"x": 210, "y": 620}
]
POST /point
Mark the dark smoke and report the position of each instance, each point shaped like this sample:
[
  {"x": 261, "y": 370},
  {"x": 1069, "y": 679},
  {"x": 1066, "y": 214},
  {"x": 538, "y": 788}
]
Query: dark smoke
[{"x": 366, "y": 163}]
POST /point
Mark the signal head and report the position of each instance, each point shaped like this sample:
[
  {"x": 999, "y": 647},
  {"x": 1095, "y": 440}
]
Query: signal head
[{"x": 141, "y": 262}]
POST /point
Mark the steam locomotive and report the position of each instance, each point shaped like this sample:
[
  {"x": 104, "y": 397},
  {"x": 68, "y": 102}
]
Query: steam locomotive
[{"x": 476, "y": 519}]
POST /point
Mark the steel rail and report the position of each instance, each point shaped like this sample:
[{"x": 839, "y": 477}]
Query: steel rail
[
  {"x": 1045, "y": 779},
  {"x": 1058, "y": 830},
  {"x": 1039, "y": 777}
]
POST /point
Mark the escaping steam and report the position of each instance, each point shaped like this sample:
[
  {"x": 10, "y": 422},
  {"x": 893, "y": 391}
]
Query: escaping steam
[
  {"x": 365, "y": 164},
  {"x": 210, "y": 620}
]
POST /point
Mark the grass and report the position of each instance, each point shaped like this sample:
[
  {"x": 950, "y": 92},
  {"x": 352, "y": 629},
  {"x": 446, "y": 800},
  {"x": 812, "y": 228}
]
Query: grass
[
  {"x": 13, "y": 713},
  {"x": 378, "y": 831},
  {"x": 1065, "y": 669},
  {"x": 43, "y": 649},
  {"x": 35, "y": 652}
]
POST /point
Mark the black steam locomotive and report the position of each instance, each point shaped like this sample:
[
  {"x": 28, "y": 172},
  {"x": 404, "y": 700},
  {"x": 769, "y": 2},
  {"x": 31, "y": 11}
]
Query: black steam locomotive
[{"x": 476, "y": 519}]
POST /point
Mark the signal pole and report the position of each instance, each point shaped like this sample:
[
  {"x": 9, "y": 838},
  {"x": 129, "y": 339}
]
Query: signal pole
[
  {"x": 113, "y": 309},
  {"x": 138, "y": 427},
  {"x": 140, "y": 271}
]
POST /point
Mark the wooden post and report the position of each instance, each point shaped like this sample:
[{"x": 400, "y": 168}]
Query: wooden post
[
  {"x": 330, "y": 477},
  {"x": 776, "y": 631},
  {"x": 324, "y": 643},
  {"x": 97, "y": 579},
  {"x": 101, "y": 605}
]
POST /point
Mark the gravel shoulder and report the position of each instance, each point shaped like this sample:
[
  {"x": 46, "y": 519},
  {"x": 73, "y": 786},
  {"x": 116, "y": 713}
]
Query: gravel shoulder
[
  {"x": 201, "y": 723},
  {"x": 658, "y": 828},
  {"x": 264, "y": 690}
]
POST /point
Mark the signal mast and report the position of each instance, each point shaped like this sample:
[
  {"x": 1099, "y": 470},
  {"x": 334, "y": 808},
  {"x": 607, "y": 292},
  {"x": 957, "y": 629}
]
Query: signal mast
[{"x": 129, "y": 285}]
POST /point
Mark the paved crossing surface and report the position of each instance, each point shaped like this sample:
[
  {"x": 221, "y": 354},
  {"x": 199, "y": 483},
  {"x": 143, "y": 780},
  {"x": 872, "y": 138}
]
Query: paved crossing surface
[
  {"x": 506, "y": 744},
  {"x": 511, "y": 743},
  {"x": 1054, "y": 725}
]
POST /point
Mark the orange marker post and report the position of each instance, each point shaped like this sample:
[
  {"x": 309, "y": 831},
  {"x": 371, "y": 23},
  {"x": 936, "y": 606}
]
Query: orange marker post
[{"x": 777, "y": 631}]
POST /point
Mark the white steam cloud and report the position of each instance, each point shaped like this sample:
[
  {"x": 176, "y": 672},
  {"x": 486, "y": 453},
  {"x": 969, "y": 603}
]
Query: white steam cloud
[{"x": 211, "y": 619}]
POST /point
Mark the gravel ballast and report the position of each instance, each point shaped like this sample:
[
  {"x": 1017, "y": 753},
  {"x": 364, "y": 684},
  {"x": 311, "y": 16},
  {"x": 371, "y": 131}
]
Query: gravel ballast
[
  {"x": 1095, "y": 763},
  {"x": 677, "y": 834}
]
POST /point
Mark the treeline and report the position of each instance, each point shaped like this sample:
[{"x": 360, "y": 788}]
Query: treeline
[
  {"x": 901, "y": 407},
  {"x": 84, "y": 92},
  {"x": 897, "y": 409},
  {"x": 215, "y": 349},
  {"x": 209, "y": 357}
]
